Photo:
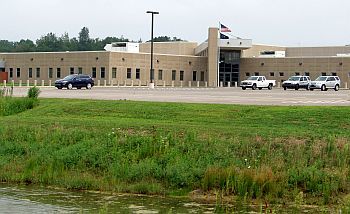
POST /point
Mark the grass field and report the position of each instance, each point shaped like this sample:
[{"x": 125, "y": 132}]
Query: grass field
[{"x": 269, "y": 153}]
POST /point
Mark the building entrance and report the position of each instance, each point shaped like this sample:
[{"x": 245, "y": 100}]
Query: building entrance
[{"x": 229, "y": 64}]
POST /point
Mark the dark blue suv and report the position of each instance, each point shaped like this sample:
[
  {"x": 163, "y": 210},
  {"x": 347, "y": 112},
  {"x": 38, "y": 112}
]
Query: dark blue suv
[{"x": 75, "y": 81}]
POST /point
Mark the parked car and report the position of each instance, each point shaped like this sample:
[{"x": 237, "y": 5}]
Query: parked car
[
  {"x": 296, "y": 82},
  {"x": 259, "y": 82},
  {"x": 325, "y": 82},
  {"x": 75, "y": 81}
]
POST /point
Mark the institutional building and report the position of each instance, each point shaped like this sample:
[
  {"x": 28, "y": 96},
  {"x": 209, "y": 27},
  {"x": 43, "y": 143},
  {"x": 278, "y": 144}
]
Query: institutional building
[{"x": 215, "y": 62}]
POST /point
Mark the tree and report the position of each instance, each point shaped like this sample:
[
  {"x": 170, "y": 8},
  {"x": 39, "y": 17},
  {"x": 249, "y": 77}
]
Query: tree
[
  {"x": 48, "y": 43},
  {"x": 24, "y": 46},
  {"x": 84, "y": 39},
  {"x": 166, "y": 39},
  {"x": 6, "y": 46}
]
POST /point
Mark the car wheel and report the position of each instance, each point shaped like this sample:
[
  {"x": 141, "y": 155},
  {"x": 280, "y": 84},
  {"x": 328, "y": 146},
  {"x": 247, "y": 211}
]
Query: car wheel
[
  {"x": 59, "y": 87},
  {"x": 323, "y": 88},
  {"x": 70, "y": 86},
  {"x": 296, "y": 87},
  {"x": 284, "y": 88},
  {"x": 308, "y": 87},
  {"x": 336, "y": 88},
  {"x": 260, "y": 88},
  {"x": 269, "y": 87},
  {"x": 311, "y": 89},
  {"x": 88, "y": 86},
  {"x": 243, "y": 88},
  {"x": 254, "y": 87}
]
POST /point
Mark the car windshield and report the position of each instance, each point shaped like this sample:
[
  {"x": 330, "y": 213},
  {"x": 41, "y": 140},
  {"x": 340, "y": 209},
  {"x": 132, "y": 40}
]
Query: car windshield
[
  {"x": 252, "y": 78},
  {"x": 70, "y": 77},
  {"x": 321, "y": 78},
  {"x": 294, "y": 78}
]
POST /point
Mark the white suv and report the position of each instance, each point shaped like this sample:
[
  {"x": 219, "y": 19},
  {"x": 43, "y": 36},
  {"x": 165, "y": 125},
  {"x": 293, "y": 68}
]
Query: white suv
[
  {"x": 297, "y": 82},
  {"x": 325, "y": 82}
]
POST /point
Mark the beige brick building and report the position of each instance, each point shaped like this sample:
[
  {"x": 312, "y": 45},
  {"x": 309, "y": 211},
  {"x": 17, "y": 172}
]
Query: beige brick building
[{"x": 215, "y": 62}]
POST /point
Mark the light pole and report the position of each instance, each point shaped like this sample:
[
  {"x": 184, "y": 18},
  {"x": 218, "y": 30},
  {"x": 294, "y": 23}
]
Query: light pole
[{"x": 151, "y": 85}]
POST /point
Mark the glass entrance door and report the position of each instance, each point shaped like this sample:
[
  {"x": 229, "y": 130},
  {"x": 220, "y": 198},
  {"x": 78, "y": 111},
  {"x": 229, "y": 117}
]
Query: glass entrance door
[{"x": 229, "y": 67}]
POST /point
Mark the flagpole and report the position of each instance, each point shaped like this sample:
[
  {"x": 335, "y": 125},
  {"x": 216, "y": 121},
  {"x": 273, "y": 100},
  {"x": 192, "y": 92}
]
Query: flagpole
[{"x": 218, "y": 58}]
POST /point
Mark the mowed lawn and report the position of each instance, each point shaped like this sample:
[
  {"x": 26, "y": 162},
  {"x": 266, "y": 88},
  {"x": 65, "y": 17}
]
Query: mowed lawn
[{"x": 265, "y": 152}]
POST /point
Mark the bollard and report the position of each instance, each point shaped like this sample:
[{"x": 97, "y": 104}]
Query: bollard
[
  {"x": 279, "y": 85},
  {"x": 164, "y": 83},
  {"x": 42, "y": 82},
  {"x": 20, "y": 83},
  {"x": 12, "y": 82},
  {"x": 98, "y": 82},
  {"x": 132, "y": 83},
  {"x": 117, "y": 83},
  {"x": 140, "y": 83},
  {"x": 181, "y": 84},
  {"x": 50, "y": 83},
  {"x": 229, "y": 84},
  {"x": 206, "y": 84},
  {"x": 189, "y": 84},
  {"x": 35, "y": 82},
  {"x": 172, "y": 84},
  {"x": 236, "y": 84},
  {"x": 112, "y": 83},
  {"x": 104, "y": 83},
  {"x": 346, "y": 85},
  {"x": 221, "y": 84},
  {"x": 125, "y": 83},
  {"x": 197, "y": 84},
  {"x": 5, "y": 83},
  {"x": 27, "y": 83}
]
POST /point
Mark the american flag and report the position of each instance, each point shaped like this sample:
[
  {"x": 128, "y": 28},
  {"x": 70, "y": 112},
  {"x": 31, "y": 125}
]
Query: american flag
[{"x": 223, "y": 28}]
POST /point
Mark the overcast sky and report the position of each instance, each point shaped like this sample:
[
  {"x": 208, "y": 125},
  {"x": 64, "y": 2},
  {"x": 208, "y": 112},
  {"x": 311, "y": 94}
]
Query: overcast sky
[{"x": 279, "y": 22}]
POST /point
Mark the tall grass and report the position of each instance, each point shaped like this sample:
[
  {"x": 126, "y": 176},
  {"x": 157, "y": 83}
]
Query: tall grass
[{"x": 124, "y": 149}]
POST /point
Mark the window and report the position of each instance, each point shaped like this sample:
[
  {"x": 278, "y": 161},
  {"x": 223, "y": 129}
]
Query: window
[
  {"x": 114, "y": 72},
  {"x": 334, "y": 74},
  {"x": 281, "y": 74},
  {"x": 323, "y": 74},
  {"x": 160, "y": 74},
  {"x": 50, "y": 73},
  {"x": 202, "y": 75},
  {"x": 297, "y": 74},
  {"x": 30, "y": 72},
  {"x": 128, "y": 73},
  {"x": 247, "y": 74},
  {"x": 137, "y": 73},
  {"x": 194, "y": 76},
  {"x": 307, "y": 73},
  {"x": 181, "y": 75},
  {"x": 173, "y": 75},
  {"x": 256, "y": 74},
  {"x": 58, "y": 73},
  {"x": 272, "y": 74},
  {"x": 80, "y": 70},
  {"x": 349, "y": 74},
  {"x": 103, "y": 72},
  {"x": 37, "y": 72},
  {"x": 11, "y": 72},
  {"x": 72, "y": 70},
  {"x": 18, "y": 72},
  {"x": 93, "y": 72}
]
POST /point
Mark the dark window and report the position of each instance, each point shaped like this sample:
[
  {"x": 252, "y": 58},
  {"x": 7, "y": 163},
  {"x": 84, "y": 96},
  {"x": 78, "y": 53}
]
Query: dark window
[
  {"x": 272, "y": 74},
  {"x": 247, "y": 74},
  {"x": 137, "y": 73},
  {"x": 194, "y": 76},
  {"x": 11, "y": 72},
  {"x": 173, "y": 75},
  {"x": 37, "y": 72},
  {"x": 256, "y": 74},
  {"x": 181, "y": 75},
  {"x": 281, "y": 74},
  {"x": 50, "y": 72},
  {"x": 114, "y": 72},
  {"x": 160, "y": 74},
  {"x": 80, "y": 70},
  {"x": 30, "y": 73},
  {"x": 307, "y": 73},
  {"x": 18, "y": 72},
  {"x": 297, "y": 73},
  {"x": 128, "y": 73},
  {"x": 94, "y": 72},
  {"x": 58, "y": 73},
  {"x": 334, "y": 74},
  {"x": 103, "y": 72},
  {"x": 323, "y": 74},
  {"x": 202, "y": 75},
  {"x": 72, "y": 70}
]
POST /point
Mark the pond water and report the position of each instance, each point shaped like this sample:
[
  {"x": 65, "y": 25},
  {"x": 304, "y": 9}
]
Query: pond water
[{"x": 34, "y": 199}]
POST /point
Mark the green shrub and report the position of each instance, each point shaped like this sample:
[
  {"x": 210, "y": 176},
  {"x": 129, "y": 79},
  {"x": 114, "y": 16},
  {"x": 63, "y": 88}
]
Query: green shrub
[
  {"x": 10, "y": 106},
  {"x": 33, "y": 92}
]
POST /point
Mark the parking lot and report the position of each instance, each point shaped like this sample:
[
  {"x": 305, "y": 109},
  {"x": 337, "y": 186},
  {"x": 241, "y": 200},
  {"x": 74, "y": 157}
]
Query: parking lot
[{"x": 276, "y": 96}]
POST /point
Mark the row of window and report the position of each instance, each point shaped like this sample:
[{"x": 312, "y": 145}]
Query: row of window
[
  {"x": 281, "y": 74},
  {"x": 58, "y": 73}
]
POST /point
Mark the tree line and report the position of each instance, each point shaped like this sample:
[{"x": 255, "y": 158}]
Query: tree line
[{"x": 52, "y": 43}]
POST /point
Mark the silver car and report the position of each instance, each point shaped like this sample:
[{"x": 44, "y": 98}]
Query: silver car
[
  {"x": 325, "y": 82},
  {"x": 296, "y": 82}
]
